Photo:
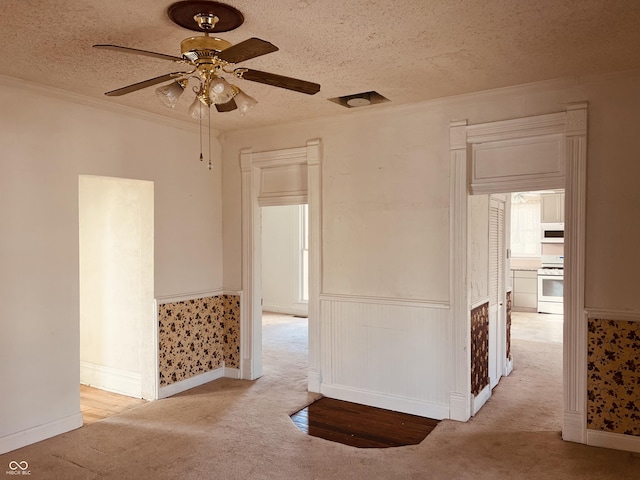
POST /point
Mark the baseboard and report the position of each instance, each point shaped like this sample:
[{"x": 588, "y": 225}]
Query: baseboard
[
  {"x": 480, "y": 399},
  {"x": 617, "y": 441},
  {"x": 286, "y": 309},
  {"x": 42, "y": 432},
  {"x": 190, "y": 383},
  {"x": 459, "y": 407},
  {"x": 388, "y": 402},
  {"x": 313, "y": 380},
  {"x": 232, "y": 373},
  {"x": 508, "y": 367},
  {"x": 111, "y": 379},
  {"x": 574, "y": 427}
]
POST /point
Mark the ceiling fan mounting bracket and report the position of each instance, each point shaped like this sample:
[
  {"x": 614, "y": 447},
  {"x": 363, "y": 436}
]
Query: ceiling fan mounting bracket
[{"x": 205, "y": 16}]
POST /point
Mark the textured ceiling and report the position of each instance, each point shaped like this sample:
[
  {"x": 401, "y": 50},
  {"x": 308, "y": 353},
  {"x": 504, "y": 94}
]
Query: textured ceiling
[{"x": 407, "y": 50}]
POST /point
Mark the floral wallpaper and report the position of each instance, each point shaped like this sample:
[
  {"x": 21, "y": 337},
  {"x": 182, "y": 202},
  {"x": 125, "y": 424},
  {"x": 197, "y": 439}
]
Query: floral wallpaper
[
  {"x": 479, "y": 348},
  {"x": 197, "y": 336},
  {"x": 231, "y": 330},
  {"x": 613, "y": 376}
]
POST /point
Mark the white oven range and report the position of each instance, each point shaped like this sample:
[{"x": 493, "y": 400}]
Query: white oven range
[{"x": 551, "y": 284}]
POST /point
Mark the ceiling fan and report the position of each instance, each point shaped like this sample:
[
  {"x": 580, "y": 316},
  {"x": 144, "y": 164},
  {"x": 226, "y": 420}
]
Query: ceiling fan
[{"x": 210, "y": 58}]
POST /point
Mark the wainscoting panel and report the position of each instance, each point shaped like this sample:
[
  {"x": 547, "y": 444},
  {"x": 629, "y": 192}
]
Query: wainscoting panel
[{"x": 388, "y": 356}]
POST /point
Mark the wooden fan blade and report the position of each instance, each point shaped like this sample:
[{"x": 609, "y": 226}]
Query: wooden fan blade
[
  {"x": 227, "y": 107},
  {"x": 144, "y": 84},
  {"x": 251, "y": 48},
  {"x": 146, "y": 53},
  {"x": 281, "y": 81}
]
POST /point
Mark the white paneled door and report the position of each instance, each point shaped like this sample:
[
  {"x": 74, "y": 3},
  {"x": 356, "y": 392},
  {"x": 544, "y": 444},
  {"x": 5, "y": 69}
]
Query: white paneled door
[{"x": 497, "y": 289}]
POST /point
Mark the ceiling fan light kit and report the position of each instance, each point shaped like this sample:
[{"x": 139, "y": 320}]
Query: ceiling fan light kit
[
  {"x": 210, "y": 59},
  {"x": 169, "y": 94}
]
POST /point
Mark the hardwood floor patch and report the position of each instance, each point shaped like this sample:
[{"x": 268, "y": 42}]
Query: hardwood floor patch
[
  {"x": 361, "y": 426},
  {"x": 96, "y": 404}
]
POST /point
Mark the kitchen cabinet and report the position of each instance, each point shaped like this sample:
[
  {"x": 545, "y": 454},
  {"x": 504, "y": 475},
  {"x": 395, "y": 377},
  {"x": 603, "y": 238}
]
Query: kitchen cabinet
[
  {"x": 552, "y": 208},
  {"x": 525, "y": 290}
]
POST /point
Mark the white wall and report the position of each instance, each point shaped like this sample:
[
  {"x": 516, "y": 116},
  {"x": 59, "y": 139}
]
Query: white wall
[
  {"x": 378, "y": 176},
  {"x": 116, "y": 282},
  {"x": 48, "y": 139},
  {"x": 281, "y": 260},
  {"x": 385, "y": 224}
]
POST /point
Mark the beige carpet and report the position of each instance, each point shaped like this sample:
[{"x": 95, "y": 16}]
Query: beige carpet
[{"x": 231, "y": 429}]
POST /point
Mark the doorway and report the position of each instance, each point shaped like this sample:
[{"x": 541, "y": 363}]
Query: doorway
[
  {"x": 285, "y": 292},
  {"x": 279, "y": 177},
  {"x": 117, "y": 321},
  {"x": 530, "y": 153}
]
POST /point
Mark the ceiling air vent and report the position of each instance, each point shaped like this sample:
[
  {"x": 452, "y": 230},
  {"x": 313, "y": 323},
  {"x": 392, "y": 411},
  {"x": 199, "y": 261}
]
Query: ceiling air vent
[{"x": 359, "y": 99}]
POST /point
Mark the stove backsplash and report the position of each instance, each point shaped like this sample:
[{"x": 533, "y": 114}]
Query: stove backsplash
[{"x": 552, "y": 255}]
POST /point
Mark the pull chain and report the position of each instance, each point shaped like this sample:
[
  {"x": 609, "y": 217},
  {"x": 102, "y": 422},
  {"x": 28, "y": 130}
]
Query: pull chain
[
  {"x": 210, "y": 138},
  {"x": 200, "y": 130}
]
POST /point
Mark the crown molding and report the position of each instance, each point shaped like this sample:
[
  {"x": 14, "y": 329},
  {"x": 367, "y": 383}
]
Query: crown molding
[
  {"x": 100, "y": 104},
  {"x": 456, "y": 100}
]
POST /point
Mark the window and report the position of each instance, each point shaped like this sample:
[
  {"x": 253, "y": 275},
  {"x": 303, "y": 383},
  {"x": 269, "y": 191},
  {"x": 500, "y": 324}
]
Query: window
[
  {"x": 525, "y": 224},
  {"x": 304, "y": 253}
]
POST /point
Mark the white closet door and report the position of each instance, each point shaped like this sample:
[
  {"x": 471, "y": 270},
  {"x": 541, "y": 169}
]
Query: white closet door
[{"x": 497, "y": 288}]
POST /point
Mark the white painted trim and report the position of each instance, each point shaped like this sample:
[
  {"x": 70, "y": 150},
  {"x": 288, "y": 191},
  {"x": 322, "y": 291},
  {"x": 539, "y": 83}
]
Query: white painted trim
[
  {"x": 26, "y": 437},
  {"x": 459, "y": 405},
  {"x": 574, "y": 335},
  {"x": 232, "y": 373},
  {"x": 520, "y": 131},
  {"x": 523, "y": 185},
  {"x": 617, "y": 441},
  {"x": 575, "y": 321},
  {"x": 183, "y": 297},
  {"x": 101, "y": 104},
  {"x": 250, "y": 328},
  {"x": 508, "y": 366},
  {"x": 460, "y": 398},
  {"x": 574, "y": 428},
  {"x": 314, "y": 226},
  {"x": 111, "y": 379},
  {"x": 150, "y": 348},
  {"x": 517, "y": 128},
  {"x": 479, "y": 303},
  {"x": 191, "y": 382},
  {"x": 251, "y": 165},
  {"x": 278, "y": 158},
  {"x": 277, "y": 200},
  {"x": 388, "y": 402},
  {"x": 480, "y": 399},
  {"x": 400, "y": 302},
  {"x": 609, "y": 314}
]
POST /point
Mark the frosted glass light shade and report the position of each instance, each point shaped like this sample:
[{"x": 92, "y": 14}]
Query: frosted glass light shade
[
  {"x": 245, "y": 102},
  {"x": 221, "y": 91},
  {"x": 198, "y": 110},
  {"x": 169, "y": 94}
]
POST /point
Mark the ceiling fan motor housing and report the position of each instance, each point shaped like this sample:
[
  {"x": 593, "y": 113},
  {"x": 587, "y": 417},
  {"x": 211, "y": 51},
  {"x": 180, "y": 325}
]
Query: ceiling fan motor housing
[{"x": 198, "y": 49}]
